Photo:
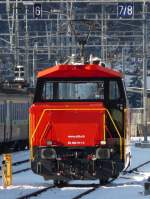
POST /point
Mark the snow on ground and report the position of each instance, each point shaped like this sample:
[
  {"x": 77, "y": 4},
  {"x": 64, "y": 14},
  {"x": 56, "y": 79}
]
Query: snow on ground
[
  {"x": 126, "y": 186},
  {"x": 18, "y": 156}
]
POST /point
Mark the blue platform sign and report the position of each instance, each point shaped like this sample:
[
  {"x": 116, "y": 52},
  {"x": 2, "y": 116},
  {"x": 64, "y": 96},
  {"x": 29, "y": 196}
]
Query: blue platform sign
[
  {"x": 125, "y": 10},
  {"x": 37, "y": 10}
]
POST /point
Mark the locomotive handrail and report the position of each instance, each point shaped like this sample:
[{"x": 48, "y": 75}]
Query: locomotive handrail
[
  {"x": 125, "y": 131},
  {"x": 120, "y": 138},
  {"x": 71, "y": 109},
  {"x": 30, "y": 141},
  {"x": 44, "y": 132},
  {"x": 54, "y": 109}
]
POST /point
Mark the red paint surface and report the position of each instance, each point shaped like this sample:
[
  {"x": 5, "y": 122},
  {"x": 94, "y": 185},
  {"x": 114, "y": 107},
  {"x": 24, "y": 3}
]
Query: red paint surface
[
  {"x": 84, "y": 71},
  {"x": 71, "y": 126}
]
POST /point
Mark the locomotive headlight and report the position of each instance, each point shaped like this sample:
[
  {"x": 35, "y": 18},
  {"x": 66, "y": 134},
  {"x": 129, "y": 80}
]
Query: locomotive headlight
[
  {"x": 103, "y": 142},
  {"x": 49, "y": 142},
  {"x": 48, "y": 153}
]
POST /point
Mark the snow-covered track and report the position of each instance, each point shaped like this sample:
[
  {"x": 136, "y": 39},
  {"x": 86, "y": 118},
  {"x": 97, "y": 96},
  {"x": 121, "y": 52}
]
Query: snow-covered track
[
  {"x": 20, "y": 171},
  {"x": 18, "y": 163},
  {"x": 36, "y": 193},
  {"x": 137, "y": 167},
  {"x": 86, "y": 192},
  {"x": 94, "y": 187}
]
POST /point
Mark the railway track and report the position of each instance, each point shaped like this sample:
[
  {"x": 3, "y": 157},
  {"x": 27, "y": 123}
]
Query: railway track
[
  {"x": 19, "y": 171},
  {"x": 17, "y": 164},
  {"x": 92, "y": 188},
  {"x": 20, "y": 162},
  {"x": 86, "y": 192},
  {"x": 36, "y": 193},
  {"x": 133, "y": 170},
  {"x": 97, "y": 186},
  {"x": 137, "y": 167}
]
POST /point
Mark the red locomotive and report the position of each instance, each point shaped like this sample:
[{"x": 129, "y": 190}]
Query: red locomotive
[{"x": 78, "y": 123}]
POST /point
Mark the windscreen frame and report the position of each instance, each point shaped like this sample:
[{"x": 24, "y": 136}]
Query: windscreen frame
[{"x": 40, "y": 82}]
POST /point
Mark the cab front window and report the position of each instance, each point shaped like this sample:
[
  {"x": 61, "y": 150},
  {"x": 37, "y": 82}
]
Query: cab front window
[{"x": 72, "y": 91}]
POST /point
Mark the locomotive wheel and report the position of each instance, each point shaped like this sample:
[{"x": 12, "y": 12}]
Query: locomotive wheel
[
  {"x": 103, "y": 180},
  {"x": 60, "y": 183}
]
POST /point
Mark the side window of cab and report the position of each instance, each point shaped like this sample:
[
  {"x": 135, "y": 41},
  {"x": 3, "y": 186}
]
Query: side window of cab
[
  {"x": 114, "y": 92},
  {"x": 47, "y": 93}
]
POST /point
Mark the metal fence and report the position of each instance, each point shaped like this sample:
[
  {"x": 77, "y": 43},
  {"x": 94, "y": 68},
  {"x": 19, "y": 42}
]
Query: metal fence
[{"x": 136, "y": 116}]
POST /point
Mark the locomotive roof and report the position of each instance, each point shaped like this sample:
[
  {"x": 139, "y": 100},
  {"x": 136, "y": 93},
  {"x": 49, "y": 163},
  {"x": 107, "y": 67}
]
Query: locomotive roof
[{"x": 78, "y": 71}]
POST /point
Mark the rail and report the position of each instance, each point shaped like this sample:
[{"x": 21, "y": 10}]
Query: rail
[{"x": 68, "y": 109}]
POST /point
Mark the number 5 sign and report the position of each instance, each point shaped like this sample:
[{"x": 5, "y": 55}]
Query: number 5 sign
[
  {"x": 125, "y": 10},
  {"x": 37, "y": 10}
]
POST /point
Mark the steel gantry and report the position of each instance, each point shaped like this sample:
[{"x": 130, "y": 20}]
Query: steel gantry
[
  {"x": 22, "y": 44},
  {"x": 72, "y": 1}
]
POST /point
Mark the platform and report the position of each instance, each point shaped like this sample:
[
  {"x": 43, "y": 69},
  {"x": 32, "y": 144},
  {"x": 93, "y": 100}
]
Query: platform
[{"x": 143, "y": 144}]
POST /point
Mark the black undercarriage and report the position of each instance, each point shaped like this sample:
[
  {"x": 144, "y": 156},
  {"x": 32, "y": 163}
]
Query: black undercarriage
[{"x": 76, "y": 163}]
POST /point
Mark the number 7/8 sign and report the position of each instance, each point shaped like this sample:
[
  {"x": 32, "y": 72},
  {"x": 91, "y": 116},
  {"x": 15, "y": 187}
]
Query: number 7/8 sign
[{"x": 125, "y": 10}]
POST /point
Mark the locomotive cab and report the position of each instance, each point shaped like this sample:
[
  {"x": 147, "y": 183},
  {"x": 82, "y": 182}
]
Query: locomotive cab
[{"x": 78, "y": 123}]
